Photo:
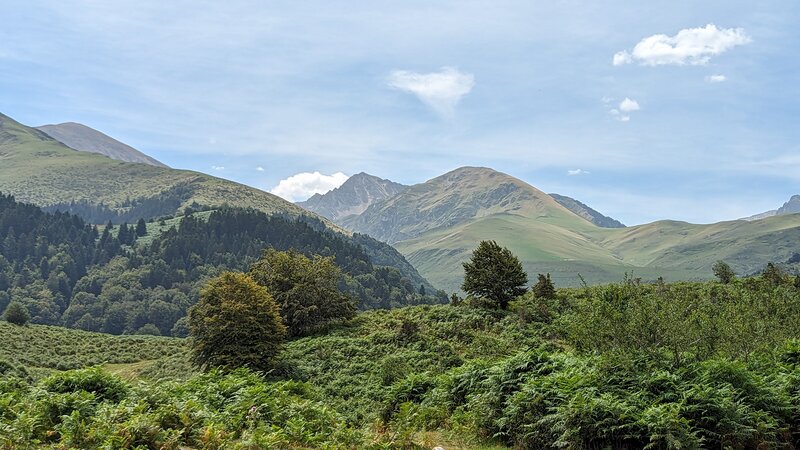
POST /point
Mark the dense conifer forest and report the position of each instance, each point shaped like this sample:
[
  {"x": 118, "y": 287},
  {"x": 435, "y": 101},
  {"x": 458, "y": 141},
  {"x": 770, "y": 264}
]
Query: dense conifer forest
[{"x": 123, "y": 279}]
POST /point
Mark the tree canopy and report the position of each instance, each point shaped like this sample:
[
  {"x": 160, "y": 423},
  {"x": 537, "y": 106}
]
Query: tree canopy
[
  {"x": 494, "y": 273},
  {"x": 305, "y": 288},
  {"x": 236, "y": 323}
]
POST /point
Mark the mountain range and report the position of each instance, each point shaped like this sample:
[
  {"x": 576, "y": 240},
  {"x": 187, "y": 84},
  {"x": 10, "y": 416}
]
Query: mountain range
[{"x": 436, "y": 224}]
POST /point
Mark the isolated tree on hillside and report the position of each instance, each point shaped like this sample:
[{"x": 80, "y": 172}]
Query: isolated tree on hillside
[
  {"x": 494, "y": 273},
  {"x": 723, "y": 272},
  {"x": 17, "y": 314},
  {"x": 544, "y": 287},
  {"x": 306, "y": 289},
  {"x": 236, "y": 323}
]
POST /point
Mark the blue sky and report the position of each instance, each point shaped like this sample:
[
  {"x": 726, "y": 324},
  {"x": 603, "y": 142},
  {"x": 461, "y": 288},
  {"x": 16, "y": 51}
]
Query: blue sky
[{"x": 409, "y": 90}]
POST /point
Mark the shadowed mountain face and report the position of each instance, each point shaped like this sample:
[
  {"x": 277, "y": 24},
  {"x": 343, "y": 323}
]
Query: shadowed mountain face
[
  {"x": 437, "y": 224},
  {"x": 586, "y": 212},
  {"x": 353, "y": 197},
  {"x": 85, "y": 139}
]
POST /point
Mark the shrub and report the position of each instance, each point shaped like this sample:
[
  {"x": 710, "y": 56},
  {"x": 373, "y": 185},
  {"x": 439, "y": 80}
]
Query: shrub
[
  {"x": 17, "y": 313},
  {"x": 103, "y": 385}
]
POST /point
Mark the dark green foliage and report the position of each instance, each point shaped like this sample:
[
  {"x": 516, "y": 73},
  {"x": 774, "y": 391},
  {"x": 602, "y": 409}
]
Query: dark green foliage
[
  {"x": 495, "y": 273},
  {"x": 17, "y": 314},
  {"x": 67, "y": 273},
  {"x": 304, "y": 288},
  {"x": 773, "y": 274},
  {"x": 103, "y": 385},
  {"x": 797, "y": 282},
  {"x": 236, "y": 323},
  {"x": 544, "y": 287},
  {"x": 723, "y": 272},
  {"x": 141, "y": 228}
]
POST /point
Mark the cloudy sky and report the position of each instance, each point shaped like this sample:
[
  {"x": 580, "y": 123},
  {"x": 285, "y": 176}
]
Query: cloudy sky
[{"x": 644, "y": 110}]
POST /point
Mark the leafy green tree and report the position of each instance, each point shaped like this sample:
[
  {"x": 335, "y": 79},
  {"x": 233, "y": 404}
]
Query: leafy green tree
[
  {"x": 17, "y": 313},
  {"x": 141, "y": 228},
  {"x": 305, "y": 288},
  {"x": 494, "y": 273},
  {"x": 723, "y": 272},
  {"x": 797, "y": 282},
  {"x": 236, "y": 323},
  {"x": 544, "y": 287}
]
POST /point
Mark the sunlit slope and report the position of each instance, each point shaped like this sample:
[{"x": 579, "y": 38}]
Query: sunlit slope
[
  {"x": 458, "y": 197},
  {"x": 674, "y": 250},
  {"x": 541, "y": 246},
  {"x": 747, "y": 246},
  {"x": 36, "y": 168}
]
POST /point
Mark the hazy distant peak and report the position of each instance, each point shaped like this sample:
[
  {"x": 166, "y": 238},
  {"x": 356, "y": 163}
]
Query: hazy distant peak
[
  {"x": 82, "y": 138},
  {"x": 353, "y": 197}
]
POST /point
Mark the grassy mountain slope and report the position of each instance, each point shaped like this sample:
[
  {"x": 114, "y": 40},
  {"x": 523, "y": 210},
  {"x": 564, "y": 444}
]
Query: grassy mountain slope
[
  {"x": 437, "y": 224},
  {"x": 353, "y": 197},
  {"x": 456, "y": 197},
  {"x": 85, "y": 139},
  {"x": 36, "y": 168}
]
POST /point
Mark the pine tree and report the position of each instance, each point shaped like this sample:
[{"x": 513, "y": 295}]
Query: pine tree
[
  {"x": 544, "y": 287},
  {"x": 141, "y": 228},
  {"x": 494, "y": 273}
]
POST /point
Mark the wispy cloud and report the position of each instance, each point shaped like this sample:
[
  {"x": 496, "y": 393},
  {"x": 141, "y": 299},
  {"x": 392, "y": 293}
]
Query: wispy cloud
[
  {"x": 694, "y": 46},
  {"x": 260, "y": 169},
  {"x": 218, "y": 168},
  {"x": 716, "y": 79},
  {"x": 624, "y": 110},
  {"x": 574, "y": 172},
  {"x": 303, "y": 185},
  {"x": 440, "y": 90}
]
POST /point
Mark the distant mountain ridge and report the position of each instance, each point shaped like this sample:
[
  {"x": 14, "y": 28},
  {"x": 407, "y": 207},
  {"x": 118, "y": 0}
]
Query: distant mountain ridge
[
  {"x": 82, "y": 138},
  {"x": 586, "y": 212},
  {"x": 437, "y": 224},
  {"x": 353, "y": 197},
  {"x": 790, "y": 207}
]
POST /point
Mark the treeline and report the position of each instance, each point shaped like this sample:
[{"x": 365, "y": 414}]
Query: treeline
[
  {"x": 131, "y": 210},
  {"x": 66, "y": 272}
]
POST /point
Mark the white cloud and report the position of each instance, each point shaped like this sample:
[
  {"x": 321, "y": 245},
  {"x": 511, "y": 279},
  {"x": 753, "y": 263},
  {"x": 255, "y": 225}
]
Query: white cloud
[
  {"x": 260, "y": 169},
  {"x": 624, "y": 110},
  {"x": 716, "y": 78},
  {"x": 303, "y": 185},
  {"x": 694, "y": 46},
  {"x": 218, "y": 167},
  {"x": 573, "y": 172},
  {"x": 440, "y": 90}
]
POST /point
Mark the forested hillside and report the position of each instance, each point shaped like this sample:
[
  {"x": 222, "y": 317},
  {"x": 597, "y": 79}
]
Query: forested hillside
[{"x": 142, "y": 279}]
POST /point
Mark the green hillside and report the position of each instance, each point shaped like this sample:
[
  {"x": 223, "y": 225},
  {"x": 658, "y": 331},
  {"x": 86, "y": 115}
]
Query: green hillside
[
  {"x": 627, "y": 365},
  {"x": 437, "y": 224},
  {"x": 37, "y": 169}
]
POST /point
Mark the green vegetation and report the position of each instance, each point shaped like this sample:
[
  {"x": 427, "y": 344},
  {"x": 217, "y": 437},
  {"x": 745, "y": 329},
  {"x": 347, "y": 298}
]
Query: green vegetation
[
  {"x": 17, "y": 314},
  {"x": 120, "y": 281},
  {"x": 494, "y": 273},
  {"x": 627, "y": 365},
  {"x": 305, "y": 288},
  {"x": 236, "y": 324}
]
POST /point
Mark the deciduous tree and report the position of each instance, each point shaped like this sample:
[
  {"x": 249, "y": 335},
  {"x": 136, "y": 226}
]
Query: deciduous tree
[{"x": 494, "y": 273}]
